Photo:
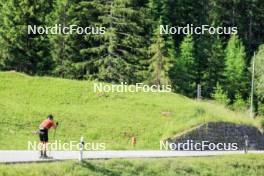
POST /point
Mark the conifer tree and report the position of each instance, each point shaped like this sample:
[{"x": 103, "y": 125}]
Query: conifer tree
[
  {"x": 235, "y": 66},
  {"x": 160, "y": 12},
  {"x": 160, "y": 61},
  {"x": 184, "y": 70},
  {"x": 154, "y": 7},
  {"x": 59, "y": 16},
  {"x": 220, "y": 95},
  {"x": 121, "y": 50},
  {"x": 69, "y": 51},
  {"x": 215, "y": 65},
  {"x": 259, "y": 78},
  {"x": 21, "y": 51}
]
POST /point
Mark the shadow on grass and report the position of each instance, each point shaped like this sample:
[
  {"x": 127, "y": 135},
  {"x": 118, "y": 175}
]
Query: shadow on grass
[{"x": 98, "y": 169}]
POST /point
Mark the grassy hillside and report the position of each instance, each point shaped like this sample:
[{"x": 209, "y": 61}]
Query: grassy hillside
[
  {"x": 109, "y": 117},
  {"x": 222, "y": 166}
]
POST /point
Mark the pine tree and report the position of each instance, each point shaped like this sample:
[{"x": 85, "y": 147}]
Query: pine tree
[
  {"x": 58, "y": 42},
  {"x": 122, "y": 50},
  {"x": 259, "y": 78},
  {"x": 239, "y": 104},
  {"x": 212, "y": 50},
  {"x": 196, "y": 13},
  {"x": 235, "y": 66},
  {"x": 154, "y": 7},
  {"x": 160, "y": 61},
  {"x": 19, "y": 50},
  {"x": 160, "y": 13},
  {"x": 184, "y": 70},
  {"x": 118, "y": 55},
  {"x": 165, "y": 19},
  {"x": 69, "y": 51},
  {"x": 161, "y": 9},
  {"x": 220, "y": 95},
  {"x": 214, "y": 66}
]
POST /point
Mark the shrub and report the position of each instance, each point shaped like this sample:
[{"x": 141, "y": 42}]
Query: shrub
[
  {"x": 220, "y": 95},
  {"x": 262, "y": 123},
  {"x": 261, "y": 108},
  {"x": 239, "y": 104}
]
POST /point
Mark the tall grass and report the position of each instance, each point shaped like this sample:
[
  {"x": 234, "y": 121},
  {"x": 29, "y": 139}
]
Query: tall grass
[{"x": 246, "y": 165}]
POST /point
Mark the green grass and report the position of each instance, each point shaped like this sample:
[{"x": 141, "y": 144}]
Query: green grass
[
  {"x": 242, "y": 165},
  {"x": 110, "y": 117}
]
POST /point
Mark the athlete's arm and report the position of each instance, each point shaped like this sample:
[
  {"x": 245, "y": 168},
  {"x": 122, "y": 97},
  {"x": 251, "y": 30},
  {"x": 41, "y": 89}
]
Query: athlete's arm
[{"x": 55, "y": 125}]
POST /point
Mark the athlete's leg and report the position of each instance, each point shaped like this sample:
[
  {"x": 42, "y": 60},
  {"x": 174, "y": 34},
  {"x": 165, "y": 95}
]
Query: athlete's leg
[{"x": 45, "y": 149}]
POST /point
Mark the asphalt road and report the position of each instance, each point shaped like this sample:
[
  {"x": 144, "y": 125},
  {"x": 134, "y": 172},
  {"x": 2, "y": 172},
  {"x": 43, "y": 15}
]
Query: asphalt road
[{"x": 17, "y": 156}]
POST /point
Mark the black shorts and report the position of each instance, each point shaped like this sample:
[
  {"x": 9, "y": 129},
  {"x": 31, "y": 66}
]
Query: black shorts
[{"x": 43, "y": 135}]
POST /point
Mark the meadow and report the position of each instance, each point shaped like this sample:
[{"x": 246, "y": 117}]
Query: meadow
[{"x": 112, "y": 118}]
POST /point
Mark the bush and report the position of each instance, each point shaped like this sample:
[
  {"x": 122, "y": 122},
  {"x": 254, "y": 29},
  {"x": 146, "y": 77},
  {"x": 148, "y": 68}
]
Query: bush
[
  {"x": 260, "y": 108},
  {"x": 239, "y": 104},
  {"x": 220, "y": 95},
  {"x": 262, "y": 123}
]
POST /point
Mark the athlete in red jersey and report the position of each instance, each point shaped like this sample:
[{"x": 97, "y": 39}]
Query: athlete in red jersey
[
  {"x": 47, "y": 123},
  {"x": 43, "y": 134}
]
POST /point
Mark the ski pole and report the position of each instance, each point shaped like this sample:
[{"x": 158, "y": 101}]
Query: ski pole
[{"x": 54, "y": 135}]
